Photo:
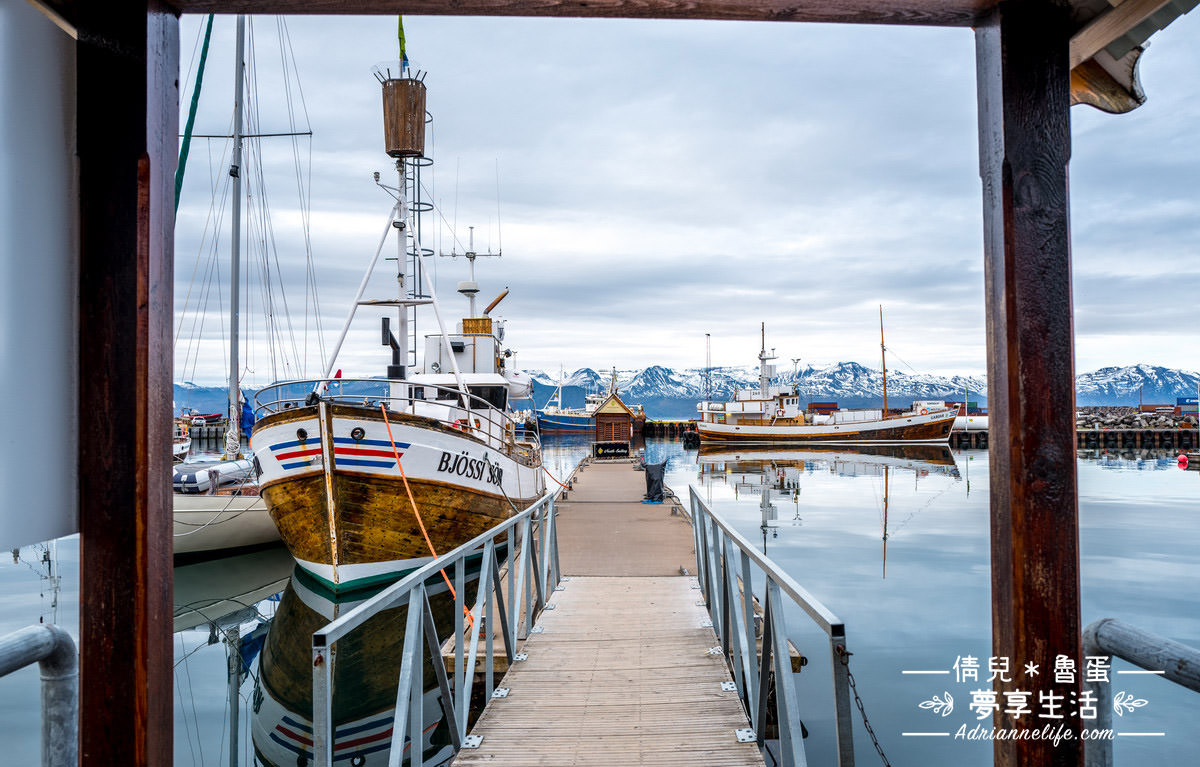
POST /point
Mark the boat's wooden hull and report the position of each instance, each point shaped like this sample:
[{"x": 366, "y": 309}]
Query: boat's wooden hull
[
  {"x": 345, "y": 508},
  {"x": 916, "y": 428}
]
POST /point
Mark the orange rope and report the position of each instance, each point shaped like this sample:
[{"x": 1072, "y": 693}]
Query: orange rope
[
  {"x": 551, "y": 476},
  {"x": 417, "y": 513}
]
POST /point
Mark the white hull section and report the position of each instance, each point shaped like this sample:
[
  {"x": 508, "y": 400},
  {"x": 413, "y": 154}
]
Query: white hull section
[
  {"x": 425, "y": 454},
  {"x": 211, "y": 523}
]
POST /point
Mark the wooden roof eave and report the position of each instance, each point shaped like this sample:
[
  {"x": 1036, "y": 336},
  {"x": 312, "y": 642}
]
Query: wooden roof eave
[{"x": 1108, "y": 43}]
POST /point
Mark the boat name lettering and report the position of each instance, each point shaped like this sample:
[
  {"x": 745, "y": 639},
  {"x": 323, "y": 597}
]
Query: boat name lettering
[{"x": 471, "y": 468}]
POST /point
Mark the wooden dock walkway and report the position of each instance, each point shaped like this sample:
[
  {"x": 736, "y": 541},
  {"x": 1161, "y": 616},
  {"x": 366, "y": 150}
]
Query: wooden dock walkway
[{"x": 620, "y": 671}]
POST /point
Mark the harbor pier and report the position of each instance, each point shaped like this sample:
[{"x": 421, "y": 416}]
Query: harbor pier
[{"x": 620, "y": 668}]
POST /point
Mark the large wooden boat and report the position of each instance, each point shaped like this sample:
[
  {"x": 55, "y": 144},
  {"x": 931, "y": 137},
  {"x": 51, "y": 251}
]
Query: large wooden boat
[
  {"x": 773, "y": 414},
  {"x": 369, "y": 479},
  {"x": 354, "y": 488}
]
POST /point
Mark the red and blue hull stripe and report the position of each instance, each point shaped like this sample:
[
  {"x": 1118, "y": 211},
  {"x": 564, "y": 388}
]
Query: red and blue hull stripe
[
  {"x": 366, "y": 452},
  {"x": 297, "y": 737},
  {"x": 346, "y": 452}
]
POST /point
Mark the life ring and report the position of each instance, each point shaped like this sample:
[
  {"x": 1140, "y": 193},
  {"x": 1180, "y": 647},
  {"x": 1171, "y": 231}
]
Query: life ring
[
  {"x": 924, "y": 411},
  {"x": 461, "y": 425},
  {"x": 779, "y": 412}
]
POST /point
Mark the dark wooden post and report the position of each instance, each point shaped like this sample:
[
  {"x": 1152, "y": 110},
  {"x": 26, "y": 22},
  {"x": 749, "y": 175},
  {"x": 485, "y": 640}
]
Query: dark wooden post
[
  {"x": 1025, "y": 146},
  {"x": 127, "y": 106}
]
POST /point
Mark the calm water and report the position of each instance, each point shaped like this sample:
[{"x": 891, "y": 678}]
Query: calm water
[{"x": 921, "y": 608}]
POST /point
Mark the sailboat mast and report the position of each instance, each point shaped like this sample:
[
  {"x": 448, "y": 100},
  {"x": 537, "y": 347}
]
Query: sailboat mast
[
  {"x": 233, "y": 436},
  {"x": 883, "y": 361}
]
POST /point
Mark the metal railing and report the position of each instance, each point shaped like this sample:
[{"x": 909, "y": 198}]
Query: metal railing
[
  {"x": 53, "y": 649},
  {"x": 1108, "y": 636},
  {"x": 473, "y": 415},
  {"x": 726, "y": 563},
  {"x": 533, "y": 573}
]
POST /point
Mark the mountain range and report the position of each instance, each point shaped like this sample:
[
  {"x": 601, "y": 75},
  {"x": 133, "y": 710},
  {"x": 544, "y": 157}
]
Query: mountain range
[{"x": 672, "y": 393}]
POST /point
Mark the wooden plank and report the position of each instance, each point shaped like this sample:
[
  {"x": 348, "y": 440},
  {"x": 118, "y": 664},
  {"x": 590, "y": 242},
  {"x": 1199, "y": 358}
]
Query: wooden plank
[
  {"x": 952, "y": 13},
  {"x": 599, "y": 688},
  {"x": 1024, "y": 150},
  {"x": 127, "y": 101}
]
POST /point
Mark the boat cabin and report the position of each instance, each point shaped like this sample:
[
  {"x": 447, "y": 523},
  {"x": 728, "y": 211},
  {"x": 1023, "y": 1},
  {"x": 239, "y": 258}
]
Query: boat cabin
[{"x": 475, "y": 347}]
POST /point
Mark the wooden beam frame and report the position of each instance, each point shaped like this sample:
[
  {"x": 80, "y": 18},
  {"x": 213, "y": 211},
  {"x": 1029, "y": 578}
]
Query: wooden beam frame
[
  {"x": 1025, "y": 147},
  {"x": 945, "y": 13},
  {"x": 127, "y": 107}
]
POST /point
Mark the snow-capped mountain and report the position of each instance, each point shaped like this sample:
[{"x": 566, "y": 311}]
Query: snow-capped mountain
[
  {"x": 1125, "y": 385},
  {"x": 672, "y": 393}
]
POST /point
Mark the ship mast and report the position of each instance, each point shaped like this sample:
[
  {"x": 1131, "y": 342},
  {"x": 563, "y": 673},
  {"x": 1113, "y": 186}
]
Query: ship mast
[
  {"x": 883, "y": 361},
  {"x": 233, "y": 436},
  {"x": 764, "y": 371}
]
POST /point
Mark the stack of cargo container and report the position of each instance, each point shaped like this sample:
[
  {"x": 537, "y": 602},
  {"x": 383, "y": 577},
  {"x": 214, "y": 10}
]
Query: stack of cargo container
[{"x": 1185, "y": 406}]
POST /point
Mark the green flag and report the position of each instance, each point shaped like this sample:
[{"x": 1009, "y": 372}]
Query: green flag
[{"x": 400, "y": 36}]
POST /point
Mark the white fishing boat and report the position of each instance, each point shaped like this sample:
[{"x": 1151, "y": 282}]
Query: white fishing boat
[
  {"x": 367, "y": 479},
  {"x": 773, "y": 414}
]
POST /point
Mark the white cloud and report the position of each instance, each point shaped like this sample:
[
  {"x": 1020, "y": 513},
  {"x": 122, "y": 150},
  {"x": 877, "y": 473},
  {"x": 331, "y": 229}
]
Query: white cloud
[{"x": 661, "y": 180}]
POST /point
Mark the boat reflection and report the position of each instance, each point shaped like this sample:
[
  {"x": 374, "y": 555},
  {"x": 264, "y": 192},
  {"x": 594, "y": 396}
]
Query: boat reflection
[
  {"x": 365, "y": 680},
  {"x": 777, "y": 474}
]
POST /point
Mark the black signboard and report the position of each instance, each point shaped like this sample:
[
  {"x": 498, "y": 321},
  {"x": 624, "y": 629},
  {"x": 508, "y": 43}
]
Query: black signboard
[{"x": 610, "y": 449}]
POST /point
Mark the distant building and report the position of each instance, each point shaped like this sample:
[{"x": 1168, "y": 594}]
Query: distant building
[{"x": 614, "y": 420}]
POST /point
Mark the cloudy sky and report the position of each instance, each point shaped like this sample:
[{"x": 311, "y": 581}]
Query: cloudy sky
[{"x": 656, "y": 181}]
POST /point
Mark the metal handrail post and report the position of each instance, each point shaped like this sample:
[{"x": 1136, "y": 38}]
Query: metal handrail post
[
  {"x": 843, "y": 722},
  {"x": 787, "y": 704},
  {"x": 554, "y": 540},
  {"x": 1109, "y": 636},
  {"x": 750, "y": 694},
  {"x": 460, "y": 627},
  {"x": 54, "y": 651},
  {"x": 322, "y": 718},
  {"x": 696, "y": 542}
]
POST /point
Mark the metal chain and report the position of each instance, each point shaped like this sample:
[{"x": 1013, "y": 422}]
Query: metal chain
[{"x": 844, "y": 657}]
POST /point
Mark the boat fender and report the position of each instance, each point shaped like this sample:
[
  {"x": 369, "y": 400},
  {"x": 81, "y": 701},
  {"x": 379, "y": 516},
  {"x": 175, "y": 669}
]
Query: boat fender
[
  {"x": 924, "y": 411},
  {"x": 461, "y": 424}
]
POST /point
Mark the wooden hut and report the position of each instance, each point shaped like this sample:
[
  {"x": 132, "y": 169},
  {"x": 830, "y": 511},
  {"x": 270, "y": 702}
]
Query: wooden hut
[{"x": 614, "y": 420}]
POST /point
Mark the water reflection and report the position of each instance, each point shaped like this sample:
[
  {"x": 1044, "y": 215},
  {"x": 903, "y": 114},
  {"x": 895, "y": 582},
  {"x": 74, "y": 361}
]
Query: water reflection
[
  {"x": 366, "y": 674},
  {"x": 775, "y": 476}
]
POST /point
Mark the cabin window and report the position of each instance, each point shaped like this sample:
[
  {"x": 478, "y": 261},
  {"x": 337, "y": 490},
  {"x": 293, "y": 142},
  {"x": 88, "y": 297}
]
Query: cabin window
[
  {"x": 447, "y": 393},
  {"x": 496, "y": 396}
]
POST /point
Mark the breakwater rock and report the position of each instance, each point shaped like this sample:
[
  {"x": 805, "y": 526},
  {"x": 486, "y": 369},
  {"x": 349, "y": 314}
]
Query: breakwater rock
[{"x": 1129, "y": 418}]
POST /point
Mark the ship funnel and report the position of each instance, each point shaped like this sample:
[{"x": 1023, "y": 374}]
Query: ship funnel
[{"x": 494, "y": 302}]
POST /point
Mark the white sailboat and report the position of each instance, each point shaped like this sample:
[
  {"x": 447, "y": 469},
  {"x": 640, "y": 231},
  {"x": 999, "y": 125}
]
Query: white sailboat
[{"x": 205, "y": 522}]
